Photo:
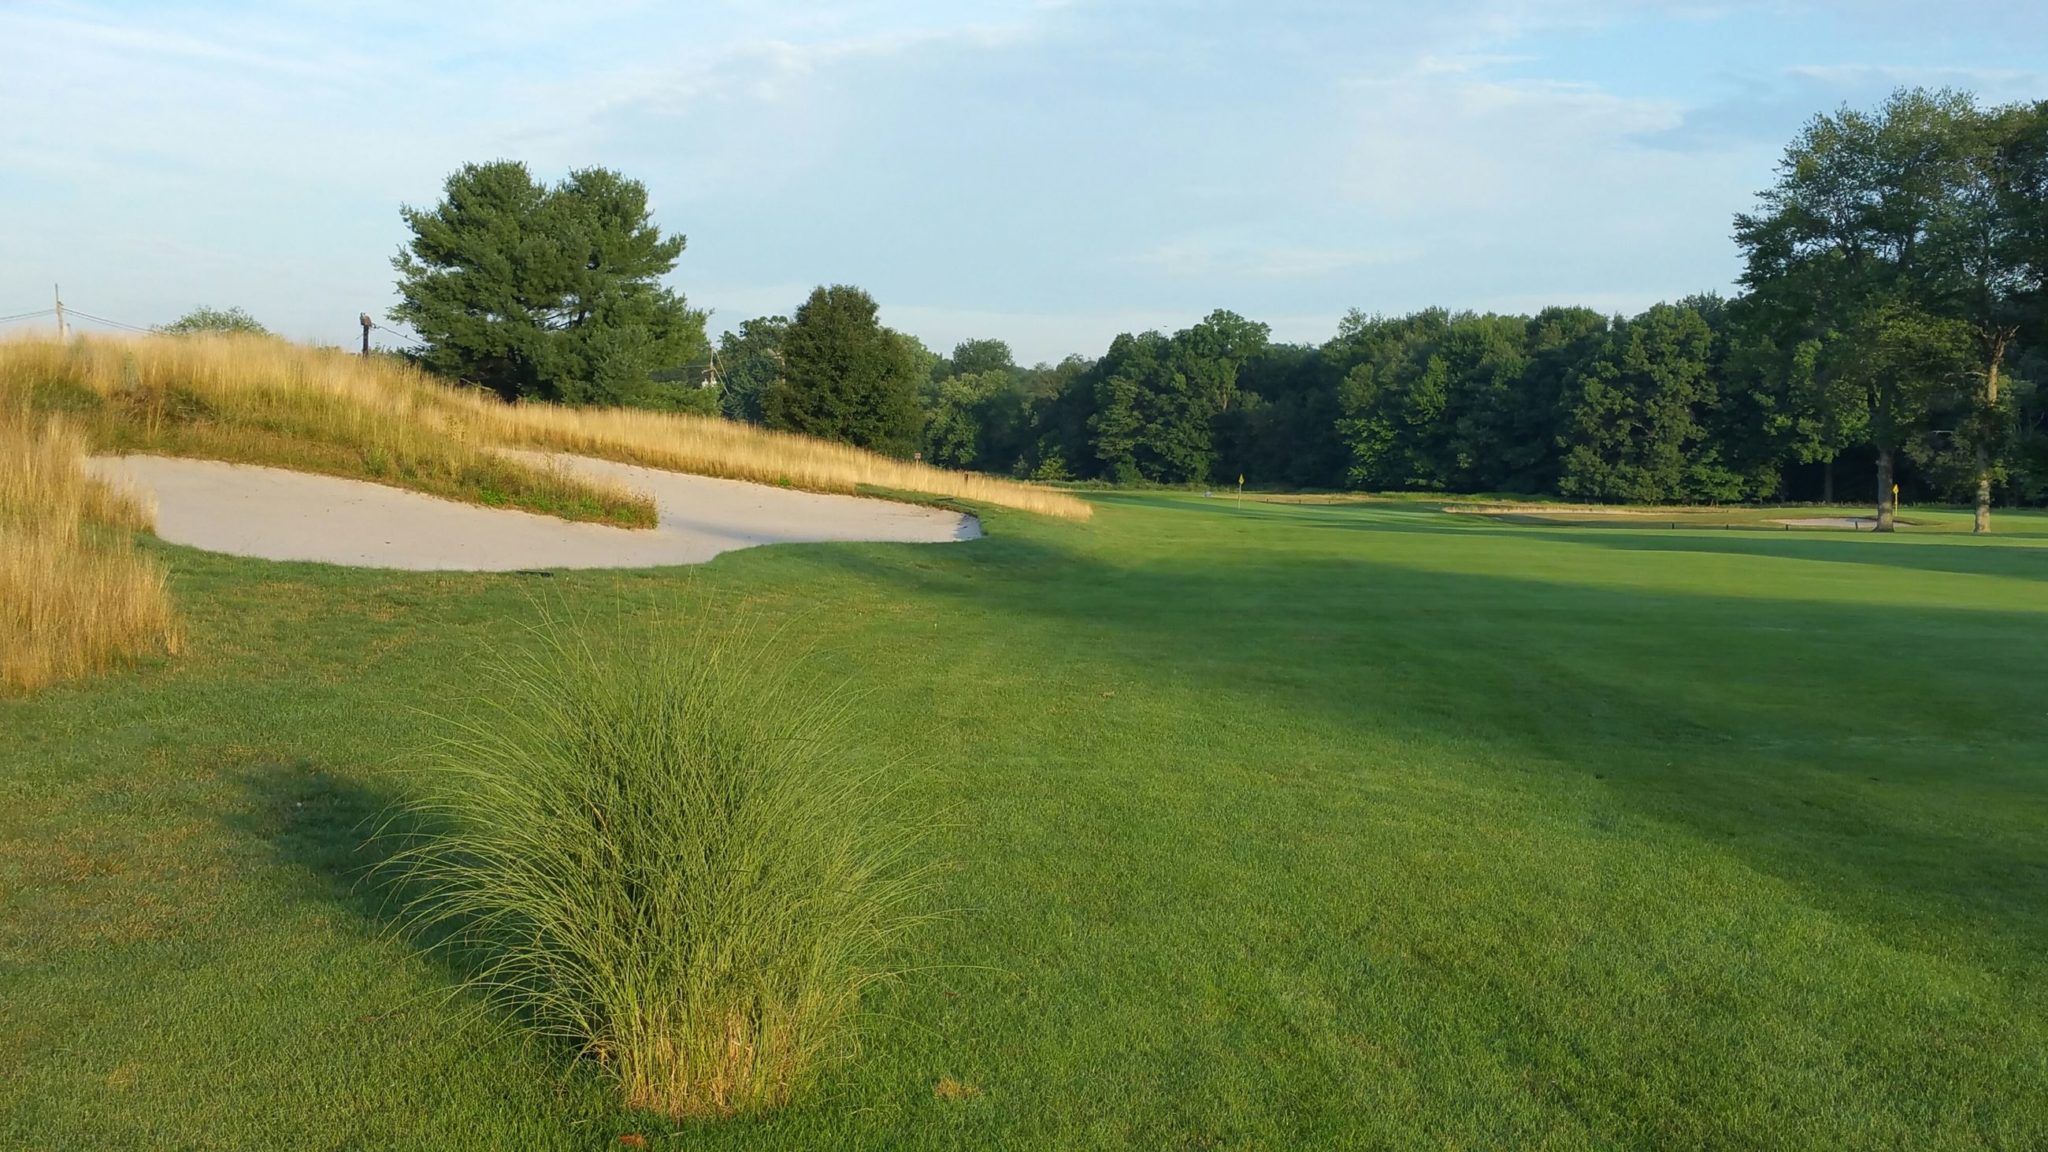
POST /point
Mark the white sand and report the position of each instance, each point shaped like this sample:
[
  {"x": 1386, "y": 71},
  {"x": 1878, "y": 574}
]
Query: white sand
[
  {"x": 1857, "y": 522},
  {"x": 280, "y": 515}
]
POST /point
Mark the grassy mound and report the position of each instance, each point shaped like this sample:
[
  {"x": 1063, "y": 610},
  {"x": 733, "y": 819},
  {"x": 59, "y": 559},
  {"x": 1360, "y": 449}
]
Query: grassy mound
[
  {"x": 662, "y": 853},
  {"x": 75, "y": 596},
  {"x": 263, "y": 401},
  {"x": 254, "y": 400}
]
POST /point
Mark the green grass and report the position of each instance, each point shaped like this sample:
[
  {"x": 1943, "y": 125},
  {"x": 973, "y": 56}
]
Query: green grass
[{"x": 1268, "y": 827}]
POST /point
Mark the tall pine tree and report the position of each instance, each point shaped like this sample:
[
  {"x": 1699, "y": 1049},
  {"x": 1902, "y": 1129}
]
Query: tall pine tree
[
  {"x": 548, "y": 293},
  {"x": 845, "y": 377}
]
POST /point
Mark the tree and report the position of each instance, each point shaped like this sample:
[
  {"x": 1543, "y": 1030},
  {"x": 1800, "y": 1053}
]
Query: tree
[
  {"x": 2023, "y": 166},
  {"x": 926, "y": 366},
  {"x": 547, "y": 293},
  {"x": 1056, "y": 445},
  {"x": 1983, "y": 274},
  {"x": 974, "y": 356},
  {"x": 749, "y": 361},
  {"x": 1904, "y": 359},
  {"x": 1394, "y": 398},
  {"x": 225, "y": 321},
  {"x": 1156, "y": 398},
  {"x": 1635, "y": 430},
  {"x": 1559, "y": 343},
  {"x": 1846, "y": 243},
  {"x": 1440, "y": 401},
  {"x": 958, "y": 424},
  {"x": 1283, "y": 429},
  {"x": 1133, "y": 369},
  {"x": 1800, "y": 407},
  {"x": 844, "y": 376}
]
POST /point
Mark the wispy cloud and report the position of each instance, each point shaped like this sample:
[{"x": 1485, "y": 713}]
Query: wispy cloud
[
  {"x": 1993, "y": 84},
  {"x": 1282, "y": 262},
  {"x": 1764, "y": 111},
  {"x": 1052, "y": 173}
]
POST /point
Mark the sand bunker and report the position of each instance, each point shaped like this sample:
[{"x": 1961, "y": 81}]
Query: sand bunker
[
  {"x": 280, "y": 515},
  {"x": 1859, "y": 523}
]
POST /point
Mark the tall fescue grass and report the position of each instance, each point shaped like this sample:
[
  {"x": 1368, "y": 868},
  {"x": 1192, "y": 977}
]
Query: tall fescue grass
[
  {"x": 75, "y": 595},
  {"x": 666, "y": 852},
  {"x": 708, "y": 446},
  {"x": 257, "y": 400},
  {"x": 265, "y": 401}
]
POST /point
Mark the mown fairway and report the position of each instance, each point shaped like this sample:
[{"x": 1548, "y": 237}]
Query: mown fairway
[{"x": 1274, "y": 827}]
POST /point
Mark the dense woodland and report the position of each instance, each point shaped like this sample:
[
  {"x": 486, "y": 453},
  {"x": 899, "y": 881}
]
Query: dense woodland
[{"x": 1891, "y": 325}]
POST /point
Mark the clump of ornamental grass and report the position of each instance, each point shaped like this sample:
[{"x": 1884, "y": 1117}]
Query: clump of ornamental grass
[{"x": 667, "y": 853}]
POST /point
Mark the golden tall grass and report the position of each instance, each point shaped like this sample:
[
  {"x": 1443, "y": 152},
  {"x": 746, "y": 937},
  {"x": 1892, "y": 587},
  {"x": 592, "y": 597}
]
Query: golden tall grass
[
  {"x": 255, "y": 400},
  {"x": 264, "y": 401},
  {"x": 709, "y": 446},
  {"x": 75, "y": 596}
]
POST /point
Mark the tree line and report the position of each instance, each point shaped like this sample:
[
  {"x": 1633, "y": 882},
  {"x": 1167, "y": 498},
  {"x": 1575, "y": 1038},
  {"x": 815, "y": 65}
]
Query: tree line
[{"x": 1891, "y": 327}]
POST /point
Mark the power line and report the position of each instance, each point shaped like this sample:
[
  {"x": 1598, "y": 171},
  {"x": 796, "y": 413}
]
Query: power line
[
  {"x": 107, "y": 322},
  {"x": 69, "y": 311},
  {"x": 127, "y": 327}
]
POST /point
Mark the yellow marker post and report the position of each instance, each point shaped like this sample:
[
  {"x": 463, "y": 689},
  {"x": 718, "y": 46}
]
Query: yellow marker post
[{"x": 1240, "y": 489}]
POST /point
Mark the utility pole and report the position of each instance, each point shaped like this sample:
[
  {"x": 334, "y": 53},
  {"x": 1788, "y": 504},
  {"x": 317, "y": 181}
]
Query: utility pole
[
  {"x": 58, "y": 291},
  {"x": 367, "y": 325}
]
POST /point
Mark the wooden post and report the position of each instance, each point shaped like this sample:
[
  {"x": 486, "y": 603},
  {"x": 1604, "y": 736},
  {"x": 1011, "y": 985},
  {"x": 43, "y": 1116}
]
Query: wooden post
[
  {"x": 58, "y": 291},
  {"x": 367, "y": 325}
]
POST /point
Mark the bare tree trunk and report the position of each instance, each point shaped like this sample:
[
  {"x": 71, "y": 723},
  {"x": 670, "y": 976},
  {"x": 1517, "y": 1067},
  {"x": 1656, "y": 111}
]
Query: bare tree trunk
[
  {"x": 1886, "y": 520},
  {"x": 1827, "y": 481},
  {"x": 1982, "y": 527}
]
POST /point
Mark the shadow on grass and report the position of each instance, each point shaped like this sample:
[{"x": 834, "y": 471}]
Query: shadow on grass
[
  {"x": 1948, "y": 553},
  {"x": 342, "y": 840},
  {"x": 1839, "y": 748},
  {"x": 2018, "y": 561}
]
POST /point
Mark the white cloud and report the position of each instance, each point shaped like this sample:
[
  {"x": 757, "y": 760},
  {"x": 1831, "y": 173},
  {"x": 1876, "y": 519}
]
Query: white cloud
[{"x": 1424, "y": 143}]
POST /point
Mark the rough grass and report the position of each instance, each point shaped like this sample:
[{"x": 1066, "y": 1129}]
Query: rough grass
[
  {"x": 75, "y": 596},
  {"x": 663, "y": 852},
  {"x": 264, "y": 401}
]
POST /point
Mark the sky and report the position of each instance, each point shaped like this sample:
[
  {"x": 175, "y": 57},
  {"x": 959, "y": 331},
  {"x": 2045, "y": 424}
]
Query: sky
[{"x": 1047, "y": 172}]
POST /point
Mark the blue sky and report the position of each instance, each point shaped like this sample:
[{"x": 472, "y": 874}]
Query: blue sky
[{"x": 1050, "y": 173}]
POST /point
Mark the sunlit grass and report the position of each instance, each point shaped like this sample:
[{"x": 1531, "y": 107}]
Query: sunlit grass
[{"x": 75, "y": 596}]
